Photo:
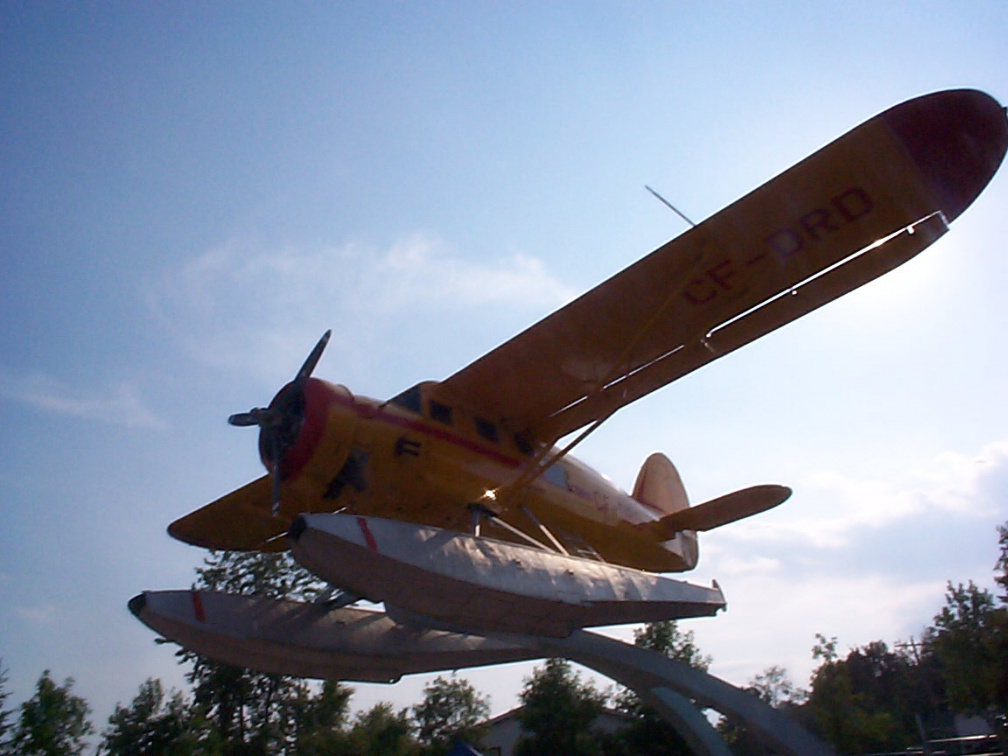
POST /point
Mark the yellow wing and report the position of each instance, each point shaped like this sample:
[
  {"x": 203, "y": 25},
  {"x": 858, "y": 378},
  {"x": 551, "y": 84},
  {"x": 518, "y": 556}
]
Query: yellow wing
[
  {"x": 239, "y": 521},
  {"x": 857, "y": 208}
]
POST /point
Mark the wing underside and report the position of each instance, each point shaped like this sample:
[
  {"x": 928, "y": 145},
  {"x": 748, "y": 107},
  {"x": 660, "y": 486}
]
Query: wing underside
[{"x": 239, "y": 521}]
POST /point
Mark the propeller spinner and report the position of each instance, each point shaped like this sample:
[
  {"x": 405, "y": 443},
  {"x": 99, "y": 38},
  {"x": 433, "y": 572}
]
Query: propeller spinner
[{"x": 280, "y": 422}]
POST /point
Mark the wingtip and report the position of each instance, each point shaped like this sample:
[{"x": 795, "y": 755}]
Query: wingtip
[
  {"x": 137, "y": 604},
  {"x": 958, "y": 139},
  {"x": 176, "y": 531}
]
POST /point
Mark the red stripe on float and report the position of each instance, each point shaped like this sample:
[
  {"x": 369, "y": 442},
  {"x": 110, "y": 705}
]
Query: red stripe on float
[
  {"x": 197, "y": 606},
  {"x": 368, "y": 538}
]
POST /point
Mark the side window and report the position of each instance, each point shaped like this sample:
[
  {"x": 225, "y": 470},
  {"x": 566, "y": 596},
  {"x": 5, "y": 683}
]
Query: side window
[
  {"x": 523, "y": 444},
  {"x": 486, "y": 429},
  {"x": 440, "y": 412},
  {"x": 556, "y": 475}
]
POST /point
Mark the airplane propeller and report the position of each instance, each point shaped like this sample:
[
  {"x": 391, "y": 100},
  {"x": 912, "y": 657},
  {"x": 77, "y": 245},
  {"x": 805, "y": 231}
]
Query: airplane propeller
[{"x": 280, "y": 422}]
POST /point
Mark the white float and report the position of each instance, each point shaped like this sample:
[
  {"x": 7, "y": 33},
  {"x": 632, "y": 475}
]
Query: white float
[{"x": 470, "y": 583}]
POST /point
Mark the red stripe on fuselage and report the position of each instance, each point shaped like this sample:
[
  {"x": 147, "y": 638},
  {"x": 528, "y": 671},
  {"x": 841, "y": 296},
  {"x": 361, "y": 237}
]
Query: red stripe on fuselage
[{"x": 368, "y": 411}]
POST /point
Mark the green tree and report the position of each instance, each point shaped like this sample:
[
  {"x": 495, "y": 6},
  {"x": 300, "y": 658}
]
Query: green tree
[
  {"x": 53, "y": 722},
  {"x": 451, "y": 710},
  {"x": 153, "y": 724},
  {"x": 666, "y": 638},
  {"x": 999, "y": 643},
  {"x": 558, "y": 713},
  {"x": 254, "y": 573},
  {"x": 6, "y": 722},
  {"x": 249, "y": 712},
  {"x": 774, "y": 687},
  {"x": 380, "y": 731},
  {"x": 965, "y": 639},
  {"x": 859, "y": 703},
  {"x": 320, "y": 720},
  {"x": 970, "y": 641},
  {"x": 1002, "y": 562}
]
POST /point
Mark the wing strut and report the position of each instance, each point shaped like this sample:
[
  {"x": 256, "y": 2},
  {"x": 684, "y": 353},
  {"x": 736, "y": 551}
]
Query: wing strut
[
  {"x": 537, "y": 466},
  {"x": 480, "y": 512},
  {"x": 545, "y": 531}
]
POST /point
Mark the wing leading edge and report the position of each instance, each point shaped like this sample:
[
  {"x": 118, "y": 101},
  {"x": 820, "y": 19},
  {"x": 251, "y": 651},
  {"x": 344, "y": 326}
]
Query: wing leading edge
[
  {"x": 240, "y": 521},
  {"x": 855, "y": 209}
]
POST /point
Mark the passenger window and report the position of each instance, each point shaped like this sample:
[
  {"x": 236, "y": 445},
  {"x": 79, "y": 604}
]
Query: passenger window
[
  {"x": 523, "y": 444},
  {"x": 486, "y": 429},
  {"x": 556, "y": 475},
  {"x": 440, "y": 412}
]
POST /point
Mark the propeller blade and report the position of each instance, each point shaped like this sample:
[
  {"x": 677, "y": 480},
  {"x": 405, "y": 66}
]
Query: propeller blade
[
  {"x": 261, "y": 416},
  {"x": 243, "y": 419},
  {"x": 309, "y": 364},
  {"x": 275, "y": 450},
  {"x": 280, "y": 423}
]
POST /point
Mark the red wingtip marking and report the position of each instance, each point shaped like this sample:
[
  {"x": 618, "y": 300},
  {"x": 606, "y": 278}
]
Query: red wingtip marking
[{"x": 957, "y": 138}]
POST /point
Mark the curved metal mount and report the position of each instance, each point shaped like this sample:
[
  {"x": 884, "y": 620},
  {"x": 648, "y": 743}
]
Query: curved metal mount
[{"x": 669, "y": 686}]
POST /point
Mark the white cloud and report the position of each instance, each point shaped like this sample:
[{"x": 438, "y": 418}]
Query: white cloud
[
  {"x": 243, "y": 308},
  {"x": 731, "y": 564},
  {"x": 774, "y": 619},
  {"x": 837, "y": 507},
  {"x": 862, "y": 560},
  {"x": 37, "y": 615},
  {"x": 120, "y": 405}
]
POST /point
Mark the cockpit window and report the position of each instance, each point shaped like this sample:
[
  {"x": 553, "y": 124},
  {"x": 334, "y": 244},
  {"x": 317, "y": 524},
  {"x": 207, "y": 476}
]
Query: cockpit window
[
  {"x": 440, "y": 412},
  {"x": 408, "y": 399}
]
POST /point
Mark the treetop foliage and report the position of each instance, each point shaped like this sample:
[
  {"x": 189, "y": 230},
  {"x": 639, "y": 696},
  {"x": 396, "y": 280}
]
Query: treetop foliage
[
  {"x": 559, "y": 710},
  {"x": 666, "y": 638},
  {"x": 53, "y": 722},
  {"x": 451, "y": 710}
]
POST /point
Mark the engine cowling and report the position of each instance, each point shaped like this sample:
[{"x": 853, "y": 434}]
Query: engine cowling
[
  {"x": 317, "y": 449},
  {"x": 304, "y": 436}
]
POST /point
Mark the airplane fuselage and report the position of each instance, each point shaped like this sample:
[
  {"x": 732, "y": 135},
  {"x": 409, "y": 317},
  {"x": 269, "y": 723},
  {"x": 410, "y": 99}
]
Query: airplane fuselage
[{"x": 417, "y": 459}]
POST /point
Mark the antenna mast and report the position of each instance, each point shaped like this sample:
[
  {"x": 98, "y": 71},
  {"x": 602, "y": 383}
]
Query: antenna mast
[{"x": 670, "y": 206}]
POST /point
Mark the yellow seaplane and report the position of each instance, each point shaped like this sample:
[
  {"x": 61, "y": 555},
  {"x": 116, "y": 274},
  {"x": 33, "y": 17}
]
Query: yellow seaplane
[{"x": 456, "y": 504}]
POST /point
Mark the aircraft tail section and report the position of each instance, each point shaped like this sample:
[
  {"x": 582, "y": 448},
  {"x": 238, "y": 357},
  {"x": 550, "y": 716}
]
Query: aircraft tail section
[{"x": 660, "y": 488}]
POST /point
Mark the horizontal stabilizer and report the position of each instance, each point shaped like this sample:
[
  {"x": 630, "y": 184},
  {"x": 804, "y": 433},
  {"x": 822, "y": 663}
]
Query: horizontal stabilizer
[{"x": 720, "y": 511}]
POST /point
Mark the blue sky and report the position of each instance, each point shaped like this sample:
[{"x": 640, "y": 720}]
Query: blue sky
[{"x": 193, "y": 193}]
